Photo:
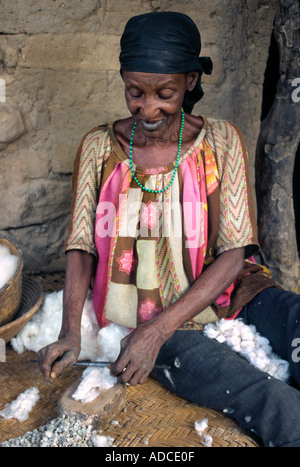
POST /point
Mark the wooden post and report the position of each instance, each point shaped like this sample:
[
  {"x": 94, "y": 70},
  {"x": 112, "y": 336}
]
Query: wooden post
[{"x": 275, "y": 156}]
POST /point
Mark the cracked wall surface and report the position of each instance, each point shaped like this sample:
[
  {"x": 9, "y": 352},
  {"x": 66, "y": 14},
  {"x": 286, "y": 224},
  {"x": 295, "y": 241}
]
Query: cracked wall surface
[{"x": 59, "y": 63}]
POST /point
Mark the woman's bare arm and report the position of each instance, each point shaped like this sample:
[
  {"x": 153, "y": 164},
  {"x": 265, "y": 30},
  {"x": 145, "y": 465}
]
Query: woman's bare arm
[
  {"x": 55, "y": 357},
  {"x": 140, "y": 348}
]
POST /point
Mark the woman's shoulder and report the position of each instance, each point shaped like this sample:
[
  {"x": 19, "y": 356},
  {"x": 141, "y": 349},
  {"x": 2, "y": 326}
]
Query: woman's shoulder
[
  {"x": 223, "y": 132},
  {"x": 97, "y": 133},
  {"x": 95, "y": 144},
  {"x": 110, "y": 134}
]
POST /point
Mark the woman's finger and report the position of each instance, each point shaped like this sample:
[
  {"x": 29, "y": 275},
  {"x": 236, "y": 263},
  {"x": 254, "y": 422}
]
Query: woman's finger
[{"x": 58, "y": 366}]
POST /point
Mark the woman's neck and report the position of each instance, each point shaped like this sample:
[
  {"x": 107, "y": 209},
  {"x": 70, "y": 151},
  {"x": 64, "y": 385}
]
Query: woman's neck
[{"x": 152, "y": 151}]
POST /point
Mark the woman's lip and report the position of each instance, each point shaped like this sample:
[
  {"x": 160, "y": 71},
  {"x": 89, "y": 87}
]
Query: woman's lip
[{"x": 150, "y": 126}]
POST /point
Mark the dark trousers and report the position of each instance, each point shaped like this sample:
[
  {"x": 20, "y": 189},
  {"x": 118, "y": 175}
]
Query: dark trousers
[{"x": 212, "y": 375}]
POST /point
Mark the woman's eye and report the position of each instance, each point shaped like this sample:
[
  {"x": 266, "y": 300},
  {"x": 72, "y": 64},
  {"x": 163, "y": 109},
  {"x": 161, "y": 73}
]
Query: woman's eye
[
  {"x": 165, "y": 95},
  {"x": 134, "y": 93}
]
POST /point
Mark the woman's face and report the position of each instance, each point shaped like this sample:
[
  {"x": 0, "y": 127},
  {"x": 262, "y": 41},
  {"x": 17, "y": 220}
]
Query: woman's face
[{"x": 155, "y": 100}]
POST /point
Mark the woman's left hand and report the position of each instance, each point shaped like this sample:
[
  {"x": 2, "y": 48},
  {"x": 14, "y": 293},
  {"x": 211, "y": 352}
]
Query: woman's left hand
[{"x": 138, "y": 354}]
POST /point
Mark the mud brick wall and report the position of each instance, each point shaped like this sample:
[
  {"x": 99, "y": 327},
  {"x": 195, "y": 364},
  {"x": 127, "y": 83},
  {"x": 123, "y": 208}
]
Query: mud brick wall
[{"x": 59, "y": 77}]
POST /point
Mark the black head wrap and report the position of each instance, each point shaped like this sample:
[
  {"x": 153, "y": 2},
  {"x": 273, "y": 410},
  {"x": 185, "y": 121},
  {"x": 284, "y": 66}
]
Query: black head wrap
[{"x": 165, "y": 42}]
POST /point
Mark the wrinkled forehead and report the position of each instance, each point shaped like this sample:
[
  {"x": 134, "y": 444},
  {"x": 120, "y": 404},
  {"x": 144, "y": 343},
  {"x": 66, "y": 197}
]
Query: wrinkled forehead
[{"x": 154, "y": 82}]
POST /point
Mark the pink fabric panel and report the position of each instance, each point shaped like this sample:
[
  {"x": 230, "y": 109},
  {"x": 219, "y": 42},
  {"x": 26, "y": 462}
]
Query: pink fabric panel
[
  {"x": 107, "y": 210},
  {"x": 194, "y": 200},
  {"x": 224, "y": 299}
]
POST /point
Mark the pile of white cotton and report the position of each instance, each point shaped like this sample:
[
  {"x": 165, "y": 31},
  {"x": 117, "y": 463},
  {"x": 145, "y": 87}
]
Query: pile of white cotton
[
  {"x": 20, "y": 408},
  {"x": 8, "y": 265},
  {"x": 44, "y": 327},
  {"x": 94, "y": 380},
  {"x": 245, "y": 340},
  {"x": 96, "y": 344}
]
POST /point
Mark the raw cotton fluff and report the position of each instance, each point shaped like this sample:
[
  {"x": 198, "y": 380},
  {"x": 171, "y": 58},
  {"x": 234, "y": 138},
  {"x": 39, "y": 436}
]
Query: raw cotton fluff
[
  {"x": 207, "y": 440},
  {"x": 44, "y": 327},
  {"x": 109, "y": 341},
  {"x": 245, "y": 340},
  {"x": 94, "y": 380},
  {"x": 8, "y": 265},
  {"x": 20, "y": 408},
  {"x": 200, "y": 428},
  {"x": 100, "y": 441},
  {"x": 96, "y": 344}
]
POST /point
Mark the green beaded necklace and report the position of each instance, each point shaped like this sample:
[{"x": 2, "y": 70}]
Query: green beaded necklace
[{"x": 176, "y": 164}]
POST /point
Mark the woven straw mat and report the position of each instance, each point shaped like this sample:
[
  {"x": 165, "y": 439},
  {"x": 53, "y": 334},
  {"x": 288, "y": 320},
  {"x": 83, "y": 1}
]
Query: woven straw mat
[{"x": 152, "y": 416}]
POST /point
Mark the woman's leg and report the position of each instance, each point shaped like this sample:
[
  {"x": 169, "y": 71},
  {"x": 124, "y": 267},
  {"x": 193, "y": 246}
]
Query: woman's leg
[
  {"x": 210, "y": 374},
  {"x": 276, "y": 316}
]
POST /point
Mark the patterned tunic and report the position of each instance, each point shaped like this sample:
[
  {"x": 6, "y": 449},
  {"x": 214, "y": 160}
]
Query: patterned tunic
[{"x": 151, "y": 247}]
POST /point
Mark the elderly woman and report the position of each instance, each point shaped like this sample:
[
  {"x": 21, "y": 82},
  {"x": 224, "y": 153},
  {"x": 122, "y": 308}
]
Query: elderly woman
[{"x": 163, "y": 227}]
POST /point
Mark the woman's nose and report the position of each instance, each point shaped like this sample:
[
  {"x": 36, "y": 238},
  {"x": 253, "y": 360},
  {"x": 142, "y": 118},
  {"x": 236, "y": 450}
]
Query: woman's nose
[{"x": 148, "y": 109}]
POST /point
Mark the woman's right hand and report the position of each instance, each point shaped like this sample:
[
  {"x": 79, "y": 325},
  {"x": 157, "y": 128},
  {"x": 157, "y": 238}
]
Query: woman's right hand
[{"x": 55, "y": 357}]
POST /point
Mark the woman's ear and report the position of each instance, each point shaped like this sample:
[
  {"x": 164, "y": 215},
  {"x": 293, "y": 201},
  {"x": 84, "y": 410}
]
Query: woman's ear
[{"x": 191, "y": 80}]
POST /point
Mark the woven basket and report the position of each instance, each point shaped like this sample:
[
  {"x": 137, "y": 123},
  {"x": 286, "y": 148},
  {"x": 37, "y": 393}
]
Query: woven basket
[
  {"x": 32, "y": 298},
  {"x": 11, "y": 292}
]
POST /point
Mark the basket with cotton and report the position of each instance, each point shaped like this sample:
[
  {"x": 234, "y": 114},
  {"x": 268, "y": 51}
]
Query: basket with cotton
[{"x": 11, "y": 267}]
